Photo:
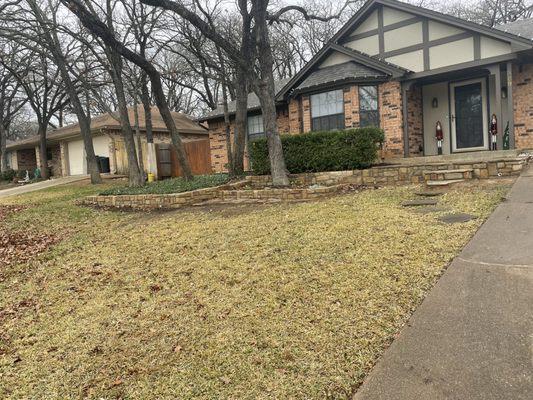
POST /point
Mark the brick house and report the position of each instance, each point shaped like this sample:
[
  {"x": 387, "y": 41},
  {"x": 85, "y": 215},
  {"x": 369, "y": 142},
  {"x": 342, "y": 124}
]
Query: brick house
[
  {"x": 66, "y": 151},
  {"x": 404, "y": 68}
]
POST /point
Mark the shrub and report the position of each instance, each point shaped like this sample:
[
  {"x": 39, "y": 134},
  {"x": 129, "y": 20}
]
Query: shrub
[
  {"x": 167, "y": 186},
  {"x": 21, "y": 174},
  {"x": 321, "y": 151},
  {"x": 8, "y": 175}
]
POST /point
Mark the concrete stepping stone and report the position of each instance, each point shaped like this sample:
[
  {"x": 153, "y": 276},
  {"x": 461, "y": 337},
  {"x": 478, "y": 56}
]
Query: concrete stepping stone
[
  {"x": 429, "y": 209},
  {"x": 430, "y": 193},
  {"x": 456, "y": 218},
  {"x": 419, "y": 202}
]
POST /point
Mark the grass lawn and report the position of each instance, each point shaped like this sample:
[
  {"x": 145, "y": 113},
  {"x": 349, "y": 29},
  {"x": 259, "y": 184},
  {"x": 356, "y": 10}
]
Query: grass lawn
[{"x": 286, "y": 301}]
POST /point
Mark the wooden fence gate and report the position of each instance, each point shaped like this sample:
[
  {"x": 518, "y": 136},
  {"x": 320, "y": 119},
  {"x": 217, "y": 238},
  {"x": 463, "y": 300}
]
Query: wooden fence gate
[{"x": 198, "y": 153}]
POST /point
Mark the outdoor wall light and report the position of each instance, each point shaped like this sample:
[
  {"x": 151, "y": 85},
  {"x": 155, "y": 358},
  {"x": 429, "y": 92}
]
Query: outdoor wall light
[
  {"x": 504, "y": 92},
  {"x": 435, "y": 102}
]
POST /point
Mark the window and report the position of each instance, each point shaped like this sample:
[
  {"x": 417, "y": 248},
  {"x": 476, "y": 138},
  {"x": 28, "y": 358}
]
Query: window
[
  {"x": 368, "y": 106},
  {"x": 255, "y": 127},
  {"x": 327, "y": 111}
]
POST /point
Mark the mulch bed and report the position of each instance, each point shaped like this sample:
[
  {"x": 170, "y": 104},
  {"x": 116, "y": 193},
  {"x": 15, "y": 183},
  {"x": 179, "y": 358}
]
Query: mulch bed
[{"x": 17, "y": 247}]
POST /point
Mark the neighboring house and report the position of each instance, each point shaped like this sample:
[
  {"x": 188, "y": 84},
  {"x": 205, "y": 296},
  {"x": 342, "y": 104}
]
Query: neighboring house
[
  {"x": 405, "y": 68},
  {"x": 66, "y": 151}
]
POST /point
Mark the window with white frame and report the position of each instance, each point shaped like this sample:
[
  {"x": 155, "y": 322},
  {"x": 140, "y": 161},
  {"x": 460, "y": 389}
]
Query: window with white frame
[
  {"x": 255, "y": 127},
  {"x": 327, "y": 111},
  {"x": 368, "y": 106}
]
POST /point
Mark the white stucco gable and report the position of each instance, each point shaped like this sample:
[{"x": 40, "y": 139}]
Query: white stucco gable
[{"x": 423, "y": 40}]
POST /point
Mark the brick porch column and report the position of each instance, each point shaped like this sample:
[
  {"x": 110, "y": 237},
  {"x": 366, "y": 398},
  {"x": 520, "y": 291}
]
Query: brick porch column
[
  {"x": 63, "y": 150},
  {"x": 38, "y": 156}
]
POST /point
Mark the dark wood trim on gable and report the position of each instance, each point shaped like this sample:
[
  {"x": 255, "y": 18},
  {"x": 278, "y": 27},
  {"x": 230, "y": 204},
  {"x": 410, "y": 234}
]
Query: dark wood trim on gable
[
  {"x": 427, "y": 45},
  {"x": 477, "y": 46},
  {"x": 425, "y": 42},
  {"x": 461, "y": 66},
  {"x": 386, "y": 28},
  {"x": 381, "y": 33}
]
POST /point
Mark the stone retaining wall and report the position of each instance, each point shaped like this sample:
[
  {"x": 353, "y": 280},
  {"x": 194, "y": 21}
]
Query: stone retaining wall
[
  {"x": 401, "y": 174},
  {"x": 234, "y": 191},
  {"x": 327, "y": 183}
]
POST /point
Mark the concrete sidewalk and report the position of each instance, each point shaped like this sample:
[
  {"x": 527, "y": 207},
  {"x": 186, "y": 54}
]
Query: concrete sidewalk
[
  {"x": 41, "y": 185},
  {"x": 472, "y": 337}
]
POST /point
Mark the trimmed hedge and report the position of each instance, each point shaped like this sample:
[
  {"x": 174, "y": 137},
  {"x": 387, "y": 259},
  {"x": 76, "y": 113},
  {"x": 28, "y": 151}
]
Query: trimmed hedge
[{"x": 321, "y": 151}]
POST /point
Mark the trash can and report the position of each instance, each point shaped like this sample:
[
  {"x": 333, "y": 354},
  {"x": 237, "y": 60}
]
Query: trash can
[{"x": 103, "y": 164}]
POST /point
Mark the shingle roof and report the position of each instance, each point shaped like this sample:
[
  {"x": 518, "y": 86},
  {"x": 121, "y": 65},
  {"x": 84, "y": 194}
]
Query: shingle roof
[
  {"x": 108, "y": 121},
  {"x": 338, "y": 73},
  {"x": 253, "y": 103},
  {"x": 523, "y": 28}
]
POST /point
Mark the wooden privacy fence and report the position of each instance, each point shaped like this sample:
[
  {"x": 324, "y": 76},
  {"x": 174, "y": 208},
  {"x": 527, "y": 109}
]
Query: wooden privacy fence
[{"x": 198, "y": 153}]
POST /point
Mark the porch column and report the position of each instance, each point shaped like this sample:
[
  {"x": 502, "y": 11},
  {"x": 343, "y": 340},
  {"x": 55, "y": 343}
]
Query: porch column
[
  {"x": 405, "y": 87},
  {"x": 112, "y": 156},
  {"x": 63, "y": 151},
  {"x": 496, "y": 108},
  {"x": 38, "y": 156},
  {"x": 510, "y": 104}
]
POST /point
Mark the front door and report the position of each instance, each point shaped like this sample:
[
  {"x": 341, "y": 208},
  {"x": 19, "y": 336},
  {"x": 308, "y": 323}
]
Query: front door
[{"x": 469, "y": 115}]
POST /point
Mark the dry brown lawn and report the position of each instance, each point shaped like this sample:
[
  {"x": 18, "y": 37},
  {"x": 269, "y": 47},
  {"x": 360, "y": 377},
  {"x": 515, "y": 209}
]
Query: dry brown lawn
[{"x": 288, "y": 301}]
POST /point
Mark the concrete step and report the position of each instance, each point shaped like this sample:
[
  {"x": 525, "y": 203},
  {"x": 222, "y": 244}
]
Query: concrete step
[
  {"x": 448, "y": 171},
  {"x": 449, "y": 174},
  {"x": 443, "y": 183}
]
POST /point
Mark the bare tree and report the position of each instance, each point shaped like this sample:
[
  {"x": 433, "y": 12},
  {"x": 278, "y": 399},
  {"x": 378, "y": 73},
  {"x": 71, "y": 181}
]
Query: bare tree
[
  {"x": 49, "y": 41},
  {"x": 45, "y": 91},
  {"x": 94, "y": 25},
  {"x": 10, "y": 103}
]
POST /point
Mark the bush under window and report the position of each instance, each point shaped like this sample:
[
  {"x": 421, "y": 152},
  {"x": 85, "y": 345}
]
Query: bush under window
[{"x": 321, "y": 151}]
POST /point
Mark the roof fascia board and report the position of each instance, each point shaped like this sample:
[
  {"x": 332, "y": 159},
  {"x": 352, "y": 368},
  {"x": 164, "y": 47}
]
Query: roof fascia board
[
  {"x": 368, "y": 61},
  {"x": 337, "y": 84},
  {"x": 311, "y": 63}
]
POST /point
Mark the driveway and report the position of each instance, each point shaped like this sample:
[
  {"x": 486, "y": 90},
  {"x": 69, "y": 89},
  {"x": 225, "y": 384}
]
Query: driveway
[
  {"x": 472, "y": 337},
  {"x": 32, "y": 187}
]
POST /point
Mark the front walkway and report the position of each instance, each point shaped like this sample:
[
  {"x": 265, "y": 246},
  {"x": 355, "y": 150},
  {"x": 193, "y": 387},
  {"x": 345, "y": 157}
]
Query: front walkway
[
  {"x": 31, "y": 187},
  {"x": 472, "y": 337}
]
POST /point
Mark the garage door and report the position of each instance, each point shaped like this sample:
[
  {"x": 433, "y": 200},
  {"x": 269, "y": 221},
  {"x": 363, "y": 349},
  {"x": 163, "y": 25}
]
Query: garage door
[{"x": 76, "y": 158}]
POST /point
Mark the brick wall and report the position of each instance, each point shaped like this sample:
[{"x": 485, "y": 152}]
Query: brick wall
[
  {"x": 523, "y": 105},
  {"x": 415, "y": 122},
  {"x": 390, "y": 110},
  {"x": 217, "y": 141},
  {"x": 306, "y": 113},
  {"x": 296, "y": 118},
  {"x": 26, "y": 159},
  {"x": 351, "y": 107},
  {"x": 55, "y": 162}
]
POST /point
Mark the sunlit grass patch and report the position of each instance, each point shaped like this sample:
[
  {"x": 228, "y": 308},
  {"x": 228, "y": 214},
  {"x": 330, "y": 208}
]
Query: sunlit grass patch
[{"x": 281, "y": 301}]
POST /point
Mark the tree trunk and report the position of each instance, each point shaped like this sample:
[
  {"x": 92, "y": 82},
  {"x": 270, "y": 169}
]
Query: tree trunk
[
  {"x": 241, "y": 123},
  {"x": 43, "y": 166},
  {"x": 134, "y": 174},
  {"x": 266, "y": 92},
  {"x": 3, "y": 151},
  {"x": 139, "y": 140},
  {"x": 147, "y": 106}
]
